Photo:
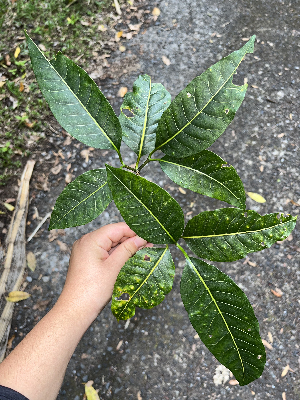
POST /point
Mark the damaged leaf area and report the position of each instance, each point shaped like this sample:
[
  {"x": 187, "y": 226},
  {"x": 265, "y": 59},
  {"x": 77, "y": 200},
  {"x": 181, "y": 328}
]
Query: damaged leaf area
[{"x": 143, "y": 282}]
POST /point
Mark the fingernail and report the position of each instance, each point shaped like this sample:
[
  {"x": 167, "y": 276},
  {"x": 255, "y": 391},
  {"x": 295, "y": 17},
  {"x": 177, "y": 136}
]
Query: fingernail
[{"x": 139, "y": 241}]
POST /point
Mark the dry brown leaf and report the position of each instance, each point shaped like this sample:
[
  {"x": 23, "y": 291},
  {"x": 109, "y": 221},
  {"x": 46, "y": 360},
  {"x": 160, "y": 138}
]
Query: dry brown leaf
[
  {"x": 289, "y": 238},
  {"x": 182, "y": 190},
  {"x": 17, "y": 52},
  {"x": 42, "y": 183},
  {"x": 10, "y": 200},
  {"x": 277, "y": 292},
  {"x": 62, "y": 246},
  {"x": 166, "y": 60},
  {"x": 119, "y": 345},
  {"x": 84, "y": 356},
  {"x": 252, "y": 263},
  {"x": 233, "y": 382},
  {"x": 31, "y": 261},
  {"x": 285, "y": 371},
  {"x": 42, "y": 47},
  {"x": 270, "y": 337},
  {"x": 16, "y": 296},
  {"x": 139, "y": 396},
  {"x": 85, "y": 154},
  {"x": 41, "y": 305},
  {"x": 56, "y": 170},
  {"x": 21, "y": 88},
  {"x": 52, "y": 235},
  {"x": 135, "y": 27},
  {"x": 295, "y": 204},
  {"x": 68, "y": 141},
  {"x": 156, "y": 11},
  {"x": 69, "y": 178},
  {"x": 10, "y": 342},
  {"x": 267, "y": 344},
  {"x": 122, "y": 91},
  {"x": 69, "y": 167},
  {"x": 2, "y": 83},
  {"x": 7, "y": 60},
  {"x": 189, "y": 213}
]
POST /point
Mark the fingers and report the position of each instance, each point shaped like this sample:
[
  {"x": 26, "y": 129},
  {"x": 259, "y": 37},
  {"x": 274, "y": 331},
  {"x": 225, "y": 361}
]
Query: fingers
[{"x": 125, "y": 250}]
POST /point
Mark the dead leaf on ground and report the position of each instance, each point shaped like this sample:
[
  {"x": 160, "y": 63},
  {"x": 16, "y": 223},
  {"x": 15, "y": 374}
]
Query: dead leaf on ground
[
  {"x": 118, "y": 36},
  {"x": 42, "y": 47},
  {"x": 68, "y": 177},
  {"x": 42, "y": 183},
  {"x": 166, "y": 60},
  {"x": 182, "y": 190},
  {"x": 16, "y": 296},
  {"x": 139, "y": 396},
  {"x": 277, "y": 292},
  {"x": 17, "y": 52},
  {"x": 270, "y": 337},
  {"x": 31, "y": 261},
  {"x": 156, "y": 11},
  {"x": 85, "y": 154},
  {"x": 56, "y": 170},
  {"x": 122, "y": 91},
  {"x": 295, "y": 204},
  {"x": 41, "y": 305},
  {"x": 102, "y": 28},
  {"x": 119, "y": 345},
  {"x": 84, "y": 356},
  {"x": 90, "y": 392},
  {"x": 55, "y": 233},
  {"x": 10, "y": 200},
  {"x": 7, "y": 60},
  {"x": 9, "y": 206},
  {"x": 62, "y": 246},
  {"x": 256, "y": 197},
  {"x": 233, "y": 382},
  {"x": 135, "y": 27},
  {"x": 10, "y": 342},
  {"x": 267, "y": 344},
  {"x": 285, "y": 371}
]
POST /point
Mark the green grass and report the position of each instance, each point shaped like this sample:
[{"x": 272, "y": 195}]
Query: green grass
[{"x": 65, "y": 25}]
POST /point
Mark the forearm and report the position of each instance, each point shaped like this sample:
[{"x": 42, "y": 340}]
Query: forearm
[{"x": 37, "y": 365}]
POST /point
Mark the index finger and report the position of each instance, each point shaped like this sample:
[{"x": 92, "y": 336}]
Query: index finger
[{"x": 110, "y": 234}]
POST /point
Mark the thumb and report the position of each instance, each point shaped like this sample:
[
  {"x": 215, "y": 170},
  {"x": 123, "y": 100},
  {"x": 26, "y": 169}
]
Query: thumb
[{"x": 126, "y": 250}]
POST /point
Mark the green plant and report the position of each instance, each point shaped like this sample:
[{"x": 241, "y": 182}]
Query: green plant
[{"x": 182, "y": 129}]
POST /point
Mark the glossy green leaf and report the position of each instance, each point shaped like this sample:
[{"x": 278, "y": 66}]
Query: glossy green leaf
[
  {"x": 75, "y": 100},
  {"x": 207, "y": 174},
  {"x": 202, "y": 111},
  {"x": 224, "y": 319},
  {"x": 82, "y": 200},
  {"x": 145, "y": 279},
  {"x": 147, "y": 208},
  {"x": 147, "y": 102},
  {"x": 229, "y": 234}
]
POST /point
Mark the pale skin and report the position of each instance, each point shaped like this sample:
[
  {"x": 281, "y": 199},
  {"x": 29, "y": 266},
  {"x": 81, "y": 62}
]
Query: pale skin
[{"x": 36, "y": 367}]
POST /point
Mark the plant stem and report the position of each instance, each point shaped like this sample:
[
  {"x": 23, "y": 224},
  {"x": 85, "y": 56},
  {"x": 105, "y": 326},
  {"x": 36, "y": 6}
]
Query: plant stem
[
  {"x": 183, "y": 251},
  {"x": 128, "y": 167},
  {"x": 147, "y": 161}
]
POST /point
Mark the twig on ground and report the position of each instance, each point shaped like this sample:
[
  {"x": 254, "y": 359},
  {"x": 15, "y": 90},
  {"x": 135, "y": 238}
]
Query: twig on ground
[{"x": 39, "y": 226}]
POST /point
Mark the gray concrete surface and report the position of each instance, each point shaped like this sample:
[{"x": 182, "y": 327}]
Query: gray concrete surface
[{"x": 160, "y": 358}]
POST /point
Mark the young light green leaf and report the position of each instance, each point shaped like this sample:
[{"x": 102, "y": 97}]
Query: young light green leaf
[
  {"x": 202, "y": 111},
  {"x": 229, "y": 234},
  {"x": 82, "y": 200},
  {"x": 147, "y": 102},
  {"x": 145, "y": 279},
  {"x": 224, "y": 319},
  {"x": 147, "y": 208},
  {"x": 75, "y": 100},
  {"x": 207, "y": 174}
]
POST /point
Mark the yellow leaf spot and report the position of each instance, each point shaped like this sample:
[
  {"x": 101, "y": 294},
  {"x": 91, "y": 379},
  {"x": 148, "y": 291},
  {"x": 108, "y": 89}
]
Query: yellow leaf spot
[
  {"x": 9, "y": 206},
  {"x": 16, "y": 296},
  {"x": 90, "y": 392},
  {"x": 17, "y": 52},
  {"x": 256, "y": 197},
  {"x": 31, "y": 261}
]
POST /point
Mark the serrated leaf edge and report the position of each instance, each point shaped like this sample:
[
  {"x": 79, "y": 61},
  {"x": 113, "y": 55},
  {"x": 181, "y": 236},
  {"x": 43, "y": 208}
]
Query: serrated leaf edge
[{"x": 145, "y": 280}]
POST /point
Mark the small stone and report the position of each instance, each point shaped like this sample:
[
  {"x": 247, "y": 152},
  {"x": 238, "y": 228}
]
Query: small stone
[
  {"x": 29, "y": 279},
  {"x": 46, "y": 279}
]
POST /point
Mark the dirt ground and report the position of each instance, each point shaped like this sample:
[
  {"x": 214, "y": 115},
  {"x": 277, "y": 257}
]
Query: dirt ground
[{"x": 160, "y": 357}]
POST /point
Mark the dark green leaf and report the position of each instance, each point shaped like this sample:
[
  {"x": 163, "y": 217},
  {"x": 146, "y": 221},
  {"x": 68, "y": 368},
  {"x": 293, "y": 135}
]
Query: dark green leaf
[
  {"x": 224, "y": 319},
  {"x": 147, "y": 208},
  {"x": 145, "y": 279},
  {"x": 147, "y": 102},
  {"x": 206, "y": 173},
  {"x": 203, "y": 110},
  {"x": 229, "y": 234},
  {"x": 75, "y": 100},
  {"x": 82, "y": 200}
]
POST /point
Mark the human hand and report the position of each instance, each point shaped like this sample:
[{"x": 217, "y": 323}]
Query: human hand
[{"x": 95, "y": 263}]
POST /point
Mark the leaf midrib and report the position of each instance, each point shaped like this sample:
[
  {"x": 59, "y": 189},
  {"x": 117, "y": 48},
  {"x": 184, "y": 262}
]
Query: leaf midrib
[
  {"x": 82, "y": 105},
  {"x": 177, "y": 133},
  {"x": 145, "y": 124},
  {"x": 77, "y": 205},
  {"x": 150, "y": 212},
  {"x": 202, "y": 173},
  {"x": 145, "y": 280},
  {"x": 220, "y": 312},
  {"x": 235, "y": 233}
]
